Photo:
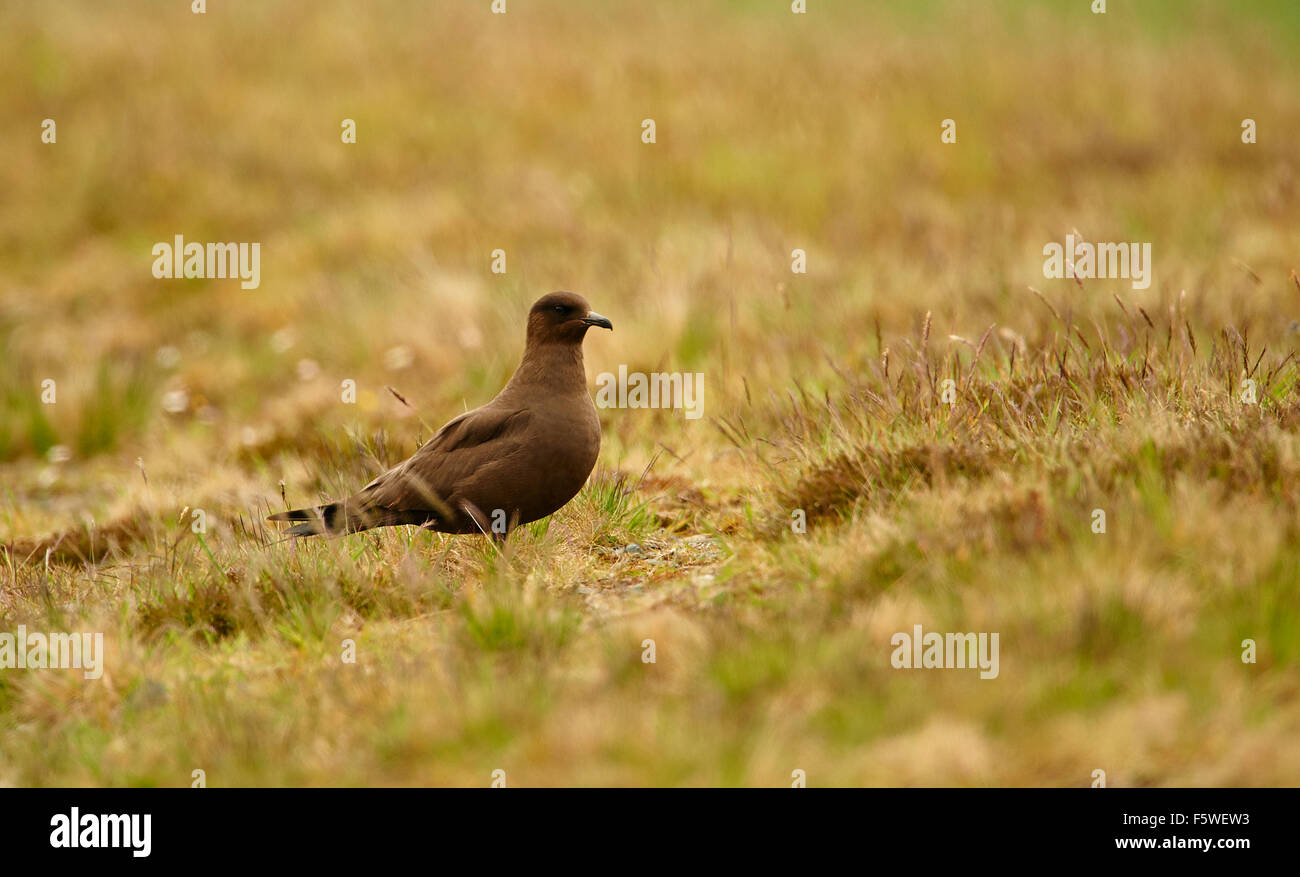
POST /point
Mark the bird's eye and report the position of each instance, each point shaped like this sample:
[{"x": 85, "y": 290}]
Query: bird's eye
[{"x": 559, "y": 309}]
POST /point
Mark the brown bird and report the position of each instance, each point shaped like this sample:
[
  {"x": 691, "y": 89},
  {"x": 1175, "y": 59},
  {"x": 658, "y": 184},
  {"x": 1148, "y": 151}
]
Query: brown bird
[{"x": 517, "y": 459}]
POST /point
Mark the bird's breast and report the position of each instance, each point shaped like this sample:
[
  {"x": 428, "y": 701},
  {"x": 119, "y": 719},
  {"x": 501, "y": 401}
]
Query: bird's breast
[{"x": 562, "y": 458}]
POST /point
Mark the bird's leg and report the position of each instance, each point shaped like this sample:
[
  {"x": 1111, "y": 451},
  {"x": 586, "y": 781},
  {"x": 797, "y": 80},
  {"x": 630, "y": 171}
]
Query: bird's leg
[
  {"x": 503, "y": 536},
  {"x": 484, "y": 525}
]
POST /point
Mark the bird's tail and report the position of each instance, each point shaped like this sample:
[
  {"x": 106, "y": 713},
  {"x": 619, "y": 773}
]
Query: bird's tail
[
  {"x": 322, "y": 520},
  {"x": 349, "y": 516}
]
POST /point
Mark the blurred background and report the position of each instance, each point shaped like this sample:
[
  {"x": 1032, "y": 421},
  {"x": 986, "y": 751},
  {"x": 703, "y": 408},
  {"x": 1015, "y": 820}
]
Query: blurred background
[{"x": 523, "y": 132}]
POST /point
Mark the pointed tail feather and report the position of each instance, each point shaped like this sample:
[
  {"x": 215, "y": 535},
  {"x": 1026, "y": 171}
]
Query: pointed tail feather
[
  {"x": 323, "y": 520},
  {"x": 297, "y": 514},
  {"x": 308, "y": 529},
  {"x": 337, "y": 518}
]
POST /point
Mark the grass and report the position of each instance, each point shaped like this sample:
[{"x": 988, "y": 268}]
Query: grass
[{"x": 765, "y": 553}]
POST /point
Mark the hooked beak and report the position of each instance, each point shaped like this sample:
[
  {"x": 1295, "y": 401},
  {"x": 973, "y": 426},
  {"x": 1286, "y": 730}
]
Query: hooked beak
[{"x": 595, "y": 319}]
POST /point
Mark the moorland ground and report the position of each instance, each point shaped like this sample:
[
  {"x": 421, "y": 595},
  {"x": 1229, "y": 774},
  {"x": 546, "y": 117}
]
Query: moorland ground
[{"x": 823, "y": 391}]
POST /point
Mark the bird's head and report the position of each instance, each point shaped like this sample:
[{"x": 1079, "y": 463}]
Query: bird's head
[{"x": 562, "y": 318}]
